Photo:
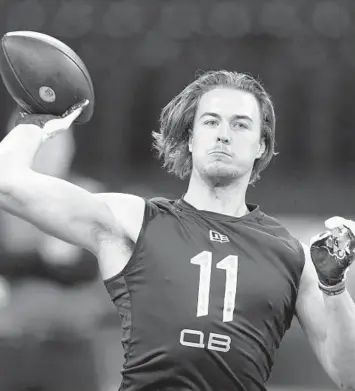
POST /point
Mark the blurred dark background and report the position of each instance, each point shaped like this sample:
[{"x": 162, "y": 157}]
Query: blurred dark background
[{"x": 142, "y": 53}]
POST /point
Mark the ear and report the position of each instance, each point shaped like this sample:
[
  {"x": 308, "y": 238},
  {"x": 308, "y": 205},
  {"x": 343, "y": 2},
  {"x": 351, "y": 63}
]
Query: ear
[
  {"x": 190, "y": 140},
  {"x": 262, "y": 148}
]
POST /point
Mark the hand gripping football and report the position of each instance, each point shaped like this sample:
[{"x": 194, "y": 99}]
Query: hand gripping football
[{"x": 43, "y": 75}]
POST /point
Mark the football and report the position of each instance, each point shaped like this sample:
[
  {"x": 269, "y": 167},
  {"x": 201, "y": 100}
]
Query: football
[{"x": 44, "y": 75}]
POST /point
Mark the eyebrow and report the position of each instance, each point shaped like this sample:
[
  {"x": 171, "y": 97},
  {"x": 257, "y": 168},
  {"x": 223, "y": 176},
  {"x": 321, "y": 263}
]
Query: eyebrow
[{"x": 235, "y": 116}]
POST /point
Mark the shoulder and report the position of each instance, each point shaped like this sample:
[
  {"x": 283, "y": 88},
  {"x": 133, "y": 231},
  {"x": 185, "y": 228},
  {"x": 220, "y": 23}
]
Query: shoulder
[
  {"x": 273, "y": 224},
  {"x": 276, "y": 228},
  {"x": 162, "y": 204},
  {"x": 290, "y": 243},
  {"x": 132, "y": 212},
  {"x": 128, "y": 211}
]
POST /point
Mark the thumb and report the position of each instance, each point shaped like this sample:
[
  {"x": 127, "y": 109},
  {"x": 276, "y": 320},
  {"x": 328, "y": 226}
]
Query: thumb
[
  {"x": 77, "y": 107},
  {"x": 64, "y": 122}
]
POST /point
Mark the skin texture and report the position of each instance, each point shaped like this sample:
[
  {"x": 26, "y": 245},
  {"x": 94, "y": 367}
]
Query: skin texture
[{"x": 226, "y": 120}]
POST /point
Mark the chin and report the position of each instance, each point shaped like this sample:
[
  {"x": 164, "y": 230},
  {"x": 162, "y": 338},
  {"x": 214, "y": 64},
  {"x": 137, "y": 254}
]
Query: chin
[{"x": 220, "y": 173}]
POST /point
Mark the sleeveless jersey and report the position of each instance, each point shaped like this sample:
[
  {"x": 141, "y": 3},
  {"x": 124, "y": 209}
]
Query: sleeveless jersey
[{"x": 205, "y": 299}]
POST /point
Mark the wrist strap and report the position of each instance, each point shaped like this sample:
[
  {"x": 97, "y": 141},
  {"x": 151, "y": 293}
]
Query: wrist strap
[{"x": 332, "y": 290}]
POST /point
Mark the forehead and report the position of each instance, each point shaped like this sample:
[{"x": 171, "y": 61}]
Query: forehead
[{"x": 229, "y": 102}]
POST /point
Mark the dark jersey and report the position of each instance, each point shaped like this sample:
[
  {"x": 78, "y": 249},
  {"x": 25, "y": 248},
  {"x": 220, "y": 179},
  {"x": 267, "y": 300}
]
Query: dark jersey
[{"x": 205, "y": 299}]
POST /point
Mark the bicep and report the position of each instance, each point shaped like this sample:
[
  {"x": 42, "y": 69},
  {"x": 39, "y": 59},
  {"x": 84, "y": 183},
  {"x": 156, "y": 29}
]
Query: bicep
[{"x": 56, "y": 207}]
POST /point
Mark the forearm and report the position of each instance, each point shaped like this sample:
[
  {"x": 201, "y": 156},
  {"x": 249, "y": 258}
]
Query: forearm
[
  {"x": 340, "y": 347},
  {"x": 19, "y": 148}
]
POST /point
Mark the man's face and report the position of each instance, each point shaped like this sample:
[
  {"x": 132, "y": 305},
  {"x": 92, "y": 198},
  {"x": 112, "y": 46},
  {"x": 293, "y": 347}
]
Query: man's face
[{"x": 225, "y": 139}]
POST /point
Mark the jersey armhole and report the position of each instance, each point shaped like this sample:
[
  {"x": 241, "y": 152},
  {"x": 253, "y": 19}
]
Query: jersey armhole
[
  {"x": 149, "y": 214},
  {"x": 303, "y": 254}
]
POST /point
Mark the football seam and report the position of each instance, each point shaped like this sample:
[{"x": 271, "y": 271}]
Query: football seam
[
  {"x": 35, "y": 100},
  {"x": 17, "y": 78}
]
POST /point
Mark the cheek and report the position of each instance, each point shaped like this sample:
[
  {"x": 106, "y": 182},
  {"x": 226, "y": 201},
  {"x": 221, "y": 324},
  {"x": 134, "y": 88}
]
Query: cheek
[
  {"x": 201, "y": 143},
  {"x": 246, "y": 142},
  {"x": 245, "y": 146}
]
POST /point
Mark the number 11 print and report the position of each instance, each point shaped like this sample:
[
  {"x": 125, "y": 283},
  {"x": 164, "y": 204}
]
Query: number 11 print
[{"x": 230, "y": 265}]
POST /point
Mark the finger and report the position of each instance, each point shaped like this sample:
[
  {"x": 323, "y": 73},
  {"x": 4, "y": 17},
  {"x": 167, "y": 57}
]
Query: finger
[
  {"x": 57, "y": 124},
  {"x": 351, "y": 225},
  {"x": 77, "y": 107},
  {"x": 71, "y": 115},
  {"x": 54, "y": 125},
  {"x": 337, "y": 222}
]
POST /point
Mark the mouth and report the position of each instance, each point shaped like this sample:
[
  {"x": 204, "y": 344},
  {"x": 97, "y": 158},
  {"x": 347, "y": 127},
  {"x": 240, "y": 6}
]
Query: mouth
[{"x": 220, "y": 153}]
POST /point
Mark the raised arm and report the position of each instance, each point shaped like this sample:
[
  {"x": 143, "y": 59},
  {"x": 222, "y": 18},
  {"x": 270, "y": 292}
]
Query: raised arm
[{"x": 55, "y": 206}]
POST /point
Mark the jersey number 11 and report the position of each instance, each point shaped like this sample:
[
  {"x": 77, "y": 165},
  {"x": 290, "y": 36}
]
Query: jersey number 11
[{"x": 230, "y": 265}]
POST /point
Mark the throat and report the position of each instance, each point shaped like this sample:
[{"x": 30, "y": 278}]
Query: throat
[
  {"x": 232, "y": 208},
  {"x": 225, "y": 199}
]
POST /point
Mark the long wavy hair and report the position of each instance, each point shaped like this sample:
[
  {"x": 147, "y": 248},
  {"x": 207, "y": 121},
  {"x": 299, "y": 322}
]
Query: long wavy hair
[{"x": 177, "y": 118}]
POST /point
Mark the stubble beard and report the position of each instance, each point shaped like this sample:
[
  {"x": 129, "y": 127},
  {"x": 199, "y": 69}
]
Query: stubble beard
[{"x": 219, "y": 175}]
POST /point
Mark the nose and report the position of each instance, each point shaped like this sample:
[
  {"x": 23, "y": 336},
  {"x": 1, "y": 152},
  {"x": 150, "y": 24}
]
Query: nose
[
  {"x": 224, "y": 136},
  {"x": 223, "y": 139}
]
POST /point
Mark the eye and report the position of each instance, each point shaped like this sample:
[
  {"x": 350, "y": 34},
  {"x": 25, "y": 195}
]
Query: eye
[
  {"x": 211, "y": 123},
  {"x": 240, "y": 125}
]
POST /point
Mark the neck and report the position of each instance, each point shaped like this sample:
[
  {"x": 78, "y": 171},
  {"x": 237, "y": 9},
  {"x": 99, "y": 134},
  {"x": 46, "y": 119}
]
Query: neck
[{"x": 228, "y": 199}]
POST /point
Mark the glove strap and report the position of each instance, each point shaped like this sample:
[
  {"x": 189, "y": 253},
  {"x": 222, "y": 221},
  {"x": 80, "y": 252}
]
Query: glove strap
[{"x": 332, "y": 290}]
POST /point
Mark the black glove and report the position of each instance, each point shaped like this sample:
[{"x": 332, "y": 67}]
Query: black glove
[{"x": 332, "y": 254}]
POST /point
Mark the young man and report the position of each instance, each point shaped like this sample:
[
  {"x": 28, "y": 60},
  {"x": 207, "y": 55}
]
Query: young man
[{"x": 206, "y": 285}]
